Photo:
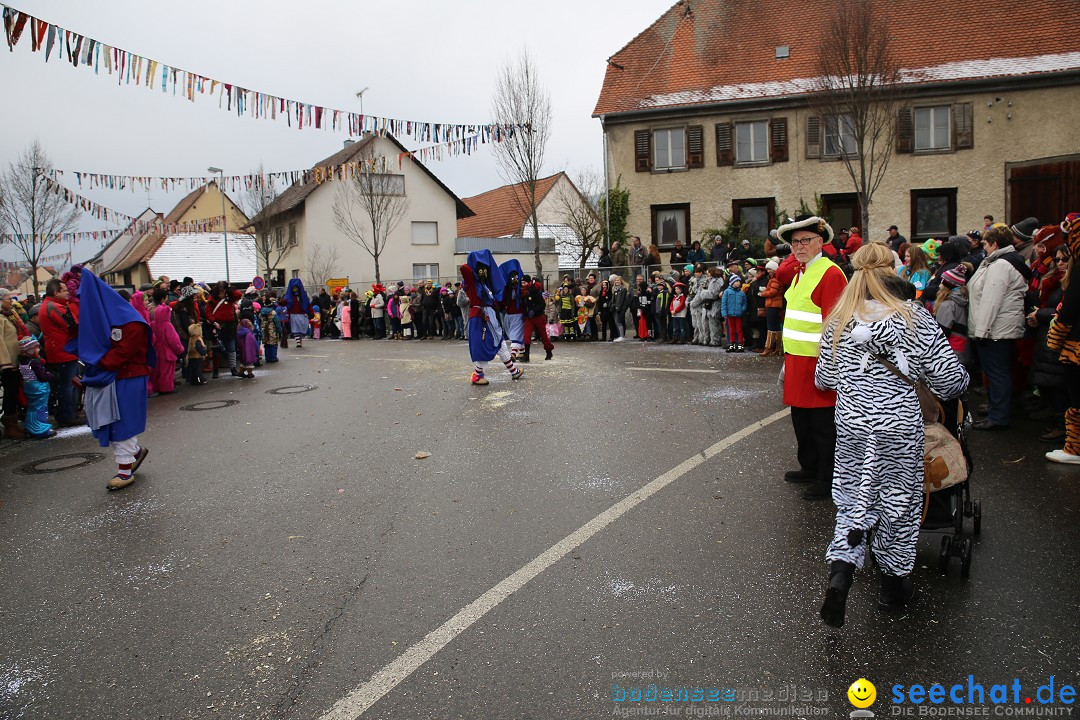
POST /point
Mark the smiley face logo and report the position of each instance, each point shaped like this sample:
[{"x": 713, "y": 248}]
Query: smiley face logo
[{"x": 862, "y": 693}]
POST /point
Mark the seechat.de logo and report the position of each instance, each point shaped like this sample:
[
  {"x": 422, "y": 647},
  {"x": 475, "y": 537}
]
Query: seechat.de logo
[{"x": 862, "y": 694}]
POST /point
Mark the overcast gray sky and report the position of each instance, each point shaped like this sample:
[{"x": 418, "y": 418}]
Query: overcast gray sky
[{"x": 427, "y": 60}]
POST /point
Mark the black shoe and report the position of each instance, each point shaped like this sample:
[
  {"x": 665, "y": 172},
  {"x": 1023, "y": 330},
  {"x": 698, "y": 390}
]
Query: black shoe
[
  {"x": 840, "y": 576},
  {"x": 896, "y": 592},
  {"x": 524, "y": 356},
  {"x": 817, "y": 491},
  {"x": 548, "y": 355},
  {"x": 987, "y": 424},
  {"x": 234, "y": 372},
  {"x": 1052, "y": 436},
  {"x": 797, "y": 476},
  {"x": 215, "y": 375}
]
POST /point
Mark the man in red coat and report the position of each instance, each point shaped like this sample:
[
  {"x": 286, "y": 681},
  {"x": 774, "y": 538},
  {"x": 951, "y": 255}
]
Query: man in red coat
[
  {"x": 58, "y": 319},
  {"x": 816, "y": 285}
]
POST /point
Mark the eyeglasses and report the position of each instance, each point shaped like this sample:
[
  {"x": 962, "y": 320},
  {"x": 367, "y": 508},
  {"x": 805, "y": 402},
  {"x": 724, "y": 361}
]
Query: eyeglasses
[{"x": 804, "y": 241}]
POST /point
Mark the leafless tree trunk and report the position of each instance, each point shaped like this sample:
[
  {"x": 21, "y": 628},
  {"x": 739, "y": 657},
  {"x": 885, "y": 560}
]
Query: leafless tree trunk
[
  {"x": 370, "y": 206},
  {"x": 31, "y": 209},
  {"x": 269, "y": 250},
  {"x": 322, "y": 264},
  {"x": 523, "y": 107},
  {"x": 577, "y": 203},
  {"x": 859, "y": 86}
]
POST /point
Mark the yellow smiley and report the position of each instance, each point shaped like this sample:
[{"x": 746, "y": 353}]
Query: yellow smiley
[{"x": 862, "y": 693}]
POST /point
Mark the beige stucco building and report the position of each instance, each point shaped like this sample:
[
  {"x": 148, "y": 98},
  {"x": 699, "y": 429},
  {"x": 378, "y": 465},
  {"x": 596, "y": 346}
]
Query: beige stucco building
[
  {"x": 702, "y": 133},
  {"x": 422, "y": 245}
]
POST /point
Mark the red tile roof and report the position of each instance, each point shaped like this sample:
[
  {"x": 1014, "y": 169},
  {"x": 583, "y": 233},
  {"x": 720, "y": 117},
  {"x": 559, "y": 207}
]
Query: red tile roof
[
  {"x": 497, "y": 213},
  {"x": 706, "y": 51}
]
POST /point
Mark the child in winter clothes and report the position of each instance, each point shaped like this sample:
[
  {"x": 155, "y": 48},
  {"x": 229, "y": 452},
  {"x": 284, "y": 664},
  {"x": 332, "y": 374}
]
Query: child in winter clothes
[
  {"x": 271, "y": 333},
  {"x": 168, "y": 347},
  {"x": 281, "y": 311},
  {"x": 35, "y": 385},
  {"x": 951, "y": 310},
  {"x": 196, "y": 351},
  {"x": 247, "y": 351},
  {"x": 733, "y": 306},
  {"x": 316, "y": 322},
  {"x": 773, "y": 295},
  {"x": 678, "y": 313}
]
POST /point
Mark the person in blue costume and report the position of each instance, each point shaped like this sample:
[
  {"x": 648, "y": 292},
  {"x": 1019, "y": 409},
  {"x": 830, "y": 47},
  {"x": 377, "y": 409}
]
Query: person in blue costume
[
  {"x": 299, "y": 307},
  {"x": 512, "y": 307},
  {"x": 113, "y": 344},
  {"x": 484, "y": 284}
]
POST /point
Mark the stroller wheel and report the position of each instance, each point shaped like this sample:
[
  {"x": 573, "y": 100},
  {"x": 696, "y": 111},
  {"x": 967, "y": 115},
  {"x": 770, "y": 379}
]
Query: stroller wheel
[
  {"x": 965, "y": 557},
  {"x": 977, "y": 522},
  {"x": 946, "y": 555}
]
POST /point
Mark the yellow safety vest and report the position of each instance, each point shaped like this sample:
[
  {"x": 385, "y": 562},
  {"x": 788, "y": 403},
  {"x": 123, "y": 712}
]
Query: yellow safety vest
[{"x": 802, "y": 318}]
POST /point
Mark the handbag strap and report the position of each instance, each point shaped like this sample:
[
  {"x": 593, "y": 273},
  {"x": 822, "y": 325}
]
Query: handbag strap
[
  {"x": 919, "y": 390},
  {"x": 894, "y": 370}
]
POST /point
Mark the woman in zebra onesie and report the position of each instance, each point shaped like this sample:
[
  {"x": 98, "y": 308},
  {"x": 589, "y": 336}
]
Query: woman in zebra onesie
[{"x": 878, "y": 475}]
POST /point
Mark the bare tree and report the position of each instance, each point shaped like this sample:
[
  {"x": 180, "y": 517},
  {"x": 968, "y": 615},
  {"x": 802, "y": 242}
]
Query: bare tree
[
  {"x": 577, "y": 203},
  {"x": 523, "y": 107},
  {"x": 32, "y": 208},
  {"x": 370, "y": 205},
  {"x": 257, "y": 199},
  {"x": 858, "y": 94},
  {"x": 322, "y": 265}
]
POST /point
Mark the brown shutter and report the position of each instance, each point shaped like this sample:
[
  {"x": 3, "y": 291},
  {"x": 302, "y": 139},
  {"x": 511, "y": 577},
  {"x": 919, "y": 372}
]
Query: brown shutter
[
  {"x": 905, "y": 131},
  {"x": 642, "y": 150},
  {"x": 778, "y": 141},
  {"x": 963, "y": 126},
  {"x": 725, "y": 149},
  {"x": 813, "y": 136},
  {"x": 695, "y": 146}
]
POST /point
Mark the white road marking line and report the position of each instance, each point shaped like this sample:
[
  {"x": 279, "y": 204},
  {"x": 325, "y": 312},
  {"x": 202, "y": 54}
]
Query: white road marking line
[
  {"x": 357, "y": 702},
  {"x": 678, "y": 370}
]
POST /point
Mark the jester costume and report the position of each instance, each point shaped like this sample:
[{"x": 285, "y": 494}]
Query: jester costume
[
  {"x": 299, "y": 308},
  {"x": 484, "y": 285},
  {"x": 1064, "y": 338},
  {"x": 513, "y": 310}
]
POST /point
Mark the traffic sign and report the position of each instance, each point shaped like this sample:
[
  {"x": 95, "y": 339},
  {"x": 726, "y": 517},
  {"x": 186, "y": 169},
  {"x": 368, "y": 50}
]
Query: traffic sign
[{"x": 258, "y": 283}]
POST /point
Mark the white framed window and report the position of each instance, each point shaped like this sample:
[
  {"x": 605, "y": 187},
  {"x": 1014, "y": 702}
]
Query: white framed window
[
  {"x": 295, "y": 274},
  {"x": 383, "y": 184},
  {"x": 425, "y": 233},
  {"x": 292, "y": 234},
  {"x": 752, "y": 142},
  {"x": 839, "y": 135},
  {"x": 423, "y": 271},
  {"x": 279, "y": 237},
  {"x": 669, "y": 148},
  {"x": 933, "y": 128}
]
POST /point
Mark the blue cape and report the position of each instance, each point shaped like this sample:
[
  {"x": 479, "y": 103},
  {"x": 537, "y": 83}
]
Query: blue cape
[
  {"x": 496, "y": 281},
  {"x": 100, "y": 310},
  {"x": 304, "y": 302}
]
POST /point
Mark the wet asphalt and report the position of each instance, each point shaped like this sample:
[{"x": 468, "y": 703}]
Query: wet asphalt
[{"x": 277, "y": 552}]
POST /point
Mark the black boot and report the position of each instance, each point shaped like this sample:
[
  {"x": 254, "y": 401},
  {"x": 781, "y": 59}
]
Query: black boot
[
  {"x": 896, "y": 592},
  {"x": 548, "y": 355},
  {"x": 817, "y": 490},
  {"x": 840, "y": 577},
  {"x": 524, "y": 356}
]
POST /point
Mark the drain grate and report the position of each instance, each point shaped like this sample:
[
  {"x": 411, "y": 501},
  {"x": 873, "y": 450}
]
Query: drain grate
[
  {"x": 59, "y": 463},
  {"x": 291, "y": 390},
  {"x": 210, "y": 405}
]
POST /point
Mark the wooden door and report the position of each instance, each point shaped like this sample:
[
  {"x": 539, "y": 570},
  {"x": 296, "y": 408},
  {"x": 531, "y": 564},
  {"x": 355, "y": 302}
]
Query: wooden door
[{"x": 1046, "y": 190}]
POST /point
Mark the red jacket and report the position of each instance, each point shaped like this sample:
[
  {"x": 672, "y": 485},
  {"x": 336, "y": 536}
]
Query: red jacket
[
  {"x": 127, "y": 356},
  {"x": 55, "y": 328},
  {"x": 220, "y": 312}
]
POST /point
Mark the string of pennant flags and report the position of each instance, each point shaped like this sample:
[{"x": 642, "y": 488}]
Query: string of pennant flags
[{"x": 129, "y": 67}]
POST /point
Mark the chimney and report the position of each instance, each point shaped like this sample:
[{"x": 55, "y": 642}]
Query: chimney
[{"x": 349, "y": 142}]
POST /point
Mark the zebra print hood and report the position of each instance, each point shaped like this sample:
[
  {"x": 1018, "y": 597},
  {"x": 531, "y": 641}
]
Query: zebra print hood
[{"x": 878, "y": 329}]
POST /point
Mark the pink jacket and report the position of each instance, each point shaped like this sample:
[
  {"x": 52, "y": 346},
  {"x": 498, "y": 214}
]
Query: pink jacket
[{"x": 167, "y": 342}]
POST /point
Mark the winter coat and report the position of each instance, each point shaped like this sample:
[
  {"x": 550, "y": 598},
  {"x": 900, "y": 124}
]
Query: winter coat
[
  {"x": 58, "y": 320},
  {"x": 378, "y": 303},
  {"x": 247, "y": 351},
  {"x": 9, "y": 342},
  {"x": 678, "y": 306},
  {"x": 166, "y": 341},
  {"x": 196, "y": 348},
  {"x": 620, "y": 298},
  {"x": 996, "y": 295},
  {"x": 774, "y": 293},
  {"x": 1047, "y": 371},
  {"x": 733, "y": 303}
]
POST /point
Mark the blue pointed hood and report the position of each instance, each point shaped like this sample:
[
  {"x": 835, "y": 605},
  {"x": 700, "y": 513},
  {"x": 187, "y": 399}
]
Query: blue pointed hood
[
  {"x": 304, "y": 302},
  {"x": 100, "y": 310},
  {"x": 512, "y": 266},
  {"x": 496, "y": 280}
]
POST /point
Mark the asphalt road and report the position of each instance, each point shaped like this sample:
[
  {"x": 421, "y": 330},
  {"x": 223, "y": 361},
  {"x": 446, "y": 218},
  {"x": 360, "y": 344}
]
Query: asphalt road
[{"x": 277, "y": 554}]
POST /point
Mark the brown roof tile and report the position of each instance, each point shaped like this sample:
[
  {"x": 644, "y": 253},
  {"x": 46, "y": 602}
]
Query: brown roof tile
[
  {"x": 497, "y": 213},
  {"x": 700, "y": 45}
]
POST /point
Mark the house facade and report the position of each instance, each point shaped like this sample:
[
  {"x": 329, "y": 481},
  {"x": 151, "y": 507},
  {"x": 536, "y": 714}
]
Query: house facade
[
  {"x": 302, "y": 221},
  {"x": 705, "y": 122}
]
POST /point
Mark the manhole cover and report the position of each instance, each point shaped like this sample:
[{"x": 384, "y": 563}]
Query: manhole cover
[
  {"x": 58, "y": 463},
  {"x": 291, "y": 390},
  {"x": 210, "y": 405}
]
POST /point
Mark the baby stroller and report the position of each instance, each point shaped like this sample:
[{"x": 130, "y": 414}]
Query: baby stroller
[{"x": 947, "y": 511}]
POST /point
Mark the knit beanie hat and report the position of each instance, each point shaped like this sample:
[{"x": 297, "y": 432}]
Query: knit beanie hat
[
  {"x": 954, "y": 277},
  {"x": 735, "y": 281},
  {"x": 930, "y": 247},
  {"x": 1025, "y": 229},
  {"x": 28, "y": 343},
  {"x": 772, "y": 266}
]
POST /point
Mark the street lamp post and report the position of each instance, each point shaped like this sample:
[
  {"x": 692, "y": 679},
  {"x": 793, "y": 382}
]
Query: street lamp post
[{"x": 224, "y": 218}]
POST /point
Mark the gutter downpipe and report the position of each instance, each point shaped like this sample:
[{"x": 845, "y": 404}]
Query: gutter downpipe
[{"x": 607, "y": 184}]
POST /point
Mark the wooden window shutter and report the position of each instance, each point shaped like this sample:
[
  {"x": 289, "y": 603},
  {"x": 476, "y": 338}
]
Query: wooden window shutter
[
  {"x": 725, "y": 148},
  {"x": 642, "y": 150},
  {"x": 963, "y": 126},
  {"x": 778, "y": 140},
  {"x": 813, "y": 136},
  {"x": 905, "y": 131},
  {"x": 695, "y": 146}
]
